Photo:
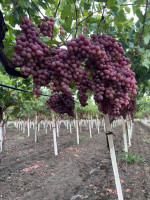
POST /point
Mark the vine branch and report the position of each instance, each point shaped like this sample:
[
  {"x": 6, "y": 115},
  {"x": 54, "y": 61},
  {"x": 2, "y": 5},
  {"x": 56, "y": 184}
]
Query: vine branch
[
  {"x": 57, "y": 8},
  {"x": 129, "y": 4},
  {"x": 80, "y": 8},
  {"x": 76, "y": 18},
  {"x": 145, "y": 14},
  {"x": 37, "y": 8},
  {"x": 101, "y": 19},
  {"x": 84, "y": 20},
  {"x": 87, "y": 17}
]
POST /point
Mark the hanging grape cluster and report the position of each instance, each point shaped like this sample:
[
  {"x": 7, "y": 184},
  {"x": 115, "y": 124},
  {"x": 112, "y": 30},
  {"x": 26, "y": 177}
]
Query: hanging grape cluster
[
  {"x": 94, "y": 64},
  {"x": 46, "y": 28},
  {"x": 129, "y": 109},
  {"x": 62, "y": 103}
]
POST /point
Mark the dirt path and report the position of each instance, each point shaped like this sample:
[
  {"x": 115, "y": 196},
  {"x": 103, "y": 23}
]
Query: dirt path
[{"x": 30, "y": 171}]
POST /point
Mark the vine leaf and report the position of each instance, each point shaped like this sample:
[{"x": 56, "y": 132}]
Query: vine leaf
[
  {"x": 110, "y": 3},
  {"x": 146, "y": 59},
  {"x": 147, "y": 38},
  {"x": 16, "y": 14}
]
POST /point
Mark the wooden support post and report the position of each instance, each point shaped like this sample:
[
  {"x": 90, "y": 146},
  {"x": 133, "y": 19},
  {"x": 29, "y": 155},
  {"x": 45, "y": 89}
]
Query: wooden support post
[
  {"x": 1, "y": 136},
  {"x": 44, "y": 123},
  {"x": 131, "y": 126},
  {"x": 91, "y": 122},
  {"x": 35, "y": 128},
  {"x": 129, "y": 130},
  {"x": 124, "y": 135},
  {"x": 30, "y": 124},
  {"x": 80, "y": 125},
  {"x": 50, "y": 125},
  {"x": 104, "y": 124},
  {"x": 28, "y": 127},
  {"x": 97, "y": 124},
  {"x": 24, "y": 129},
  {"x": 57, "y": 127},
  {"x": 67, "y": 124},
  {"x": 4, "y": 128},
  {"x": 54, "y": 134},
  {"x": 90, "y": 126},
  {"x": 38, "y": 127},
  {"x": 21, "y": 125},
  {"x": 113, "y": 158},
  {"x": 77, "y": 128},
  {"x": 46, "y": 128},
  {"x": 70, "y": 127}
]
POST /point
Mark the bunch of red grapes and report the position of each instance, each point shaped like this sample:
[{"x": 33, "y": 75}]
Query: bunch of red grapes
[
  {"x": 129, "y": 109},
  {"x": 46, "y": 28},
  {"x": 94, "y": 64},
  {"x": 62, "y": 103}
]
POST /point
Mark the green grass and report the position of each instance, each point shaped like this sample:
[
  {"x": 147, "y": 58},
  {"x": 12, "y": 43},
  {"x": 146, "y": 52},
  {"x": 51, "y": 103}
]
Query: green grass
[
  {"x": 19, "y": 138},
  {"x": 4, "y": 151},
  {"x": 39, "y": 134},
  {"x": 12, "y": 129},
  {"x": 142, "y": 132},
  {"x": 129, "y": 158},
  {"x": 38, "y": 137},
  {"x": 83, "y": 138},
  {"x": 147, "y": 141},
  {"x": 75, "y": 142},
  {"x": 4, "y": 174}
]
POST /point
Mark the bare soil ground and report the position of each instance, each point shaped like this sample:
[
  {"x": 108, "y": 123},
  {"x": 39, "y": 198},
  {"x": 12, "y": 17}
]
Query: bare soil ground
[{"x": 30, "y": 171}]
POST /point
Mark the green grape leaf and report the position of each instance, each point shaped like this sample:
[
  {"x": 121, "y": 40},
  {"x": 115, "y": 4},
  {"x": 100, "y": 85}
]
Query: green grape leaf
[
  {"x": 100, "y": 0},
  {"x": 66, "y": 11},
  {"x": 110, "y": 3},
  {"x": 50, "y": 1},
  {"x": 16, "y": 14},
  {"x": 87, "y": 6},
  {"x": 140, "y": 15},
  {"x": 147, "y": 38},
  {"x": 127, "y": 9},
  {"x": 27, "y": 4},
  {"x": 15, "y": 111},
  {"x": 120, "y": 17},
  {"x": 146, "y": 59}
]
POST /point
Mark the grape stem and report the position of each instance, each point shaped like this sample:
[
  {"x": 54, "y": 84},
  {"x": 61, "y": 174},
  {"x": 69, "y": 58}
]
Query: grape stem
[
  {"x": 83, "y": 21},
  {"x": 57, "y": 8},
  {"x": 101, "y": 19},
  {"x": 76, "y": 18},
  {"x": 37, "y": 8},
  {"x": 129, "y": 4},
  {"x": 80, "y": 8},
  {"x": 144, "y": 19},
  {"x": 82, "y": 13},
  {"x": 87, "y": 17}
]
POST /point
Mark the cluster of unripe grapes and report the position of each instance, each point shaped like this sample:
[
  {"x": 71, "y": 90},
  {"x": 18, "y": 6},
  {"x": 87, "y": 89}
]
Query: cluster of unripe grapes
[{"x": 94, "y": 64}]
